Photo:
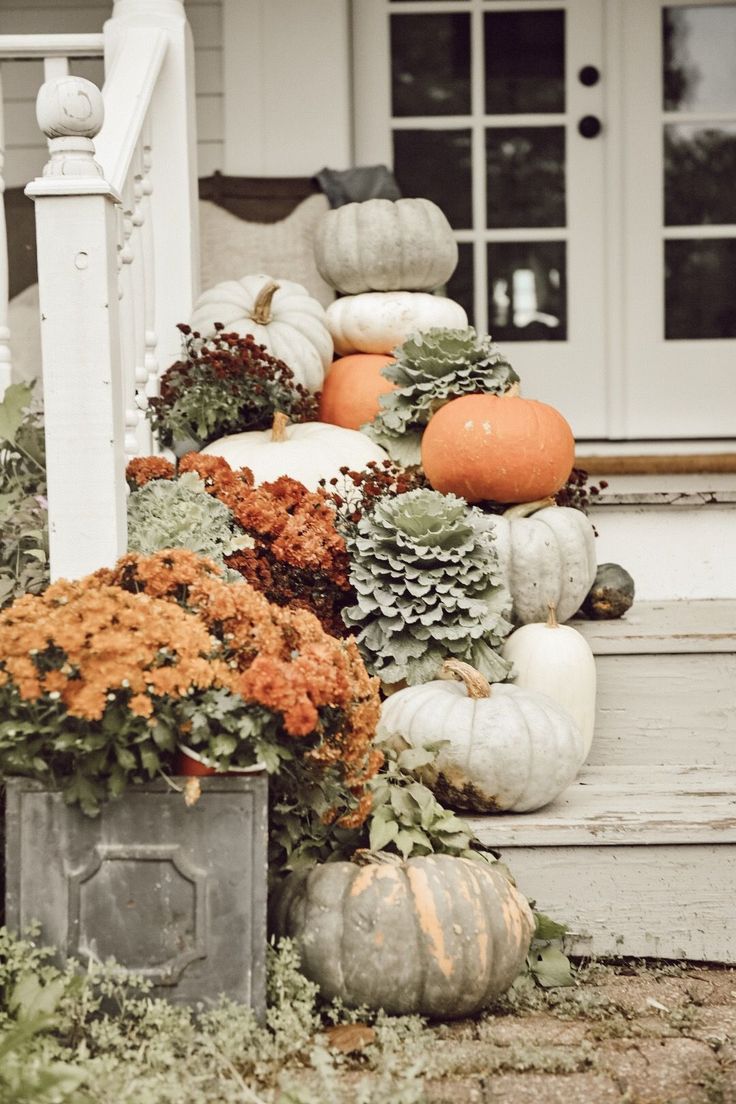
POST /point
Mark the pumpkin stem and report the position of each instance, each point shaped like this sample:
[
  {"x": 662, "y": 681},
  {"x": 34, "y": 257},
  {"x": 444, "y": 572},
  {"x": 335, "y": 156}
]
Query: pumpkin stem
[
  {"x": 524, "y": 509},
  {"x": 512, "y": 392},
  {"x": 475, "y": 684},
  {"x": 363, "y": 856},
  {"x": 261, "y": 313},
  {"x": 552, "y": 622},
  {"x": 278, "y": 428}
]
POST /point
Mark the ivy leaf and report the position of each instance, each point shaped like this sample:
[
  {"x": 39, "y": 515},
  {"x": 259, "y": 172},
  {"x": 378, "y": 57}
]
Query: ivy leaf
[
  {"x": 382, "y": 832},
  {"x": 413, "y": 758},
  {"x": 404, "y": 804},
  {"x": 547, "y": 928},
  {"x": 15, "y": 401},
  {"x": 551, "y": 968},
  {"x": 405, "y": 842}
]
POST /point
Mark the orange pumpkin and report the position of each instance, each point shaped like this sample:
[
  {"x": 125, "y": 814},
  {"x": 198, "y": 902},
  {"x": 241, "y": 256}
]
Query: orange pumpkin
[
  {"x": 351, "y": 389},
  {"x": 497, "y": 447}
]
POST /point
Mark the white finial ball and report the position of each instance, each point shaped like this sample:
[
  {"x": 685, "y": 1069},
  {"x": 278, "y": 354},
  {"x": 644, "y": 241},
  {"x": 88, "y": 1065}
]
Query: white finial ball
[{"x": 70, "y": 107}]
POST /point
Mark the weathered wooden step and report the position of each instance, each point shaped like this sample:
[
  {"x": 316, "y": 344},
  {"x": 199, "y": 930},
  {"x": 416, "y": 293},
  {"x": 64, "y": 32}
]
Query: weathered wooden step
[
  {"x": 635, "y": 863},
  {"x": 666, "y": 685},
  {"x": 673, "y": 543}
]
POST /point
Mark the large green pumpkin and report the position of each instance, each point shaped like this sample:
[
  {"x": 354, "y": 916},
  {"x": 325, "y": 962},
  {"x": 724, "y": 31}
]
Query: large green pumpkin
[{"x": 437, "y": 936}]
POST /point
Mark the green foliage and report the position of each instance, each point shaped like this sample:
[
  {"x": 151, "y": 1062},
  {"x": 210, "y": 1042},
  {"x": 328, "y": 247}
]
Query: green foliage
[
  {"x": 431, "y": 368},
  {"x": 179, "y": 513},
  {"x": 100, "y": 1038},
  {"x": 546, "y": 962},
  {"x": 24, "y": 548},
  {"x": 426, "y": 574},
  {"x": 406, "y": 817},
  {"x": 95, "y": 761},
  {"x": 224, "y": 384}
]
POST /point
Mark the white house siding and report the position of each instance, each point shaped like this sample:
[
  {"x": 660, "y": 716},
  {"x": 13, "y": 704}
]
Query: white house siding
[
  {"x": 25, "y": 147},
  {"x": 287, "y": 82}
]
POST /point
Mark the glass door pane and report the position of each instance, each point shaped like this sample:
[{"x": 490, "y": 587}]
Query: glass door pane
[{"x": 484, "y": 112}]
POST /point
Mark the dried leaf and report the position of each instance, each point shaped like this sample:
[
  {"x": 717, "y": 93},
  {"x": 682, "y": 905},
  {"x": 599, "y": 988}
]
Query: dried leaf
[
  {"x": 350, "y": 1038},
  {"x": 192, "y": 791}
]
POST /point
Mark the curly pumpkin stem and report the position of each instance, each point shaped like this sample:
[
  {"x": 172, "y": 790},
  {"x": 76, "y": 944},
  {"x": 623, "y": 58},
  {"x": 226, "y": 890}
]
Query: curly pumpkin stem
[
  {"x": 476, "y": 686},
  {"x": 262, "y": 307},
  {"x": 278, "y": 427},
  {"x": 552, "y": 622},
  {"x": 525, "y": 509}
]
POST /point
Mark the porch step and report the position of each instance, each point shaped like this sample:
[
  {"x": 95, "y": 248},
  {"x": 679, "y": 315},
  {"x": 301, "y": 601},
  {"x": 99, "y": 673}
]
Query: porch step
[
  {"x": 634, "y": 863},
  {"x": 666, "y": 685},
  {"x": 673, "y": 543},
  {"x": 638, "y": 856}
]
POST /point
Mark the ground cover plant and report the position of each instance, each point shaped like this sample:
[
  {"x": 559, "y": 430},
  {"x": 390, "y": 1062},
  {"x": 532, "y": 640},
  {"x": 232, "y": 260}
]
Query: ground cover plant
[
  {"x": 24, "y": 542},
  {"x": 623, "y": 1033}
]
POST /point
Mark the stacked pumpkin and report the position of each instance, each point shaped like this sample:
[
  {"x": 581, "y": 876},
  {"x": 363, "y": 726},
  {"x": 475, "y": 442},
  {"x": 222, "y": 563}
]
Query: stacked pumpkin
[
  {"x": 386, "y": 259},
  {"x": 433, "y": 392},
  {"x": 425, "y": 389}
]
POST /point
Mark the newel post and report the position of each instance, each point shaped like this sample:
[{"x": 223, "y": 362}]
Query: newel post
[
  {"x": 76, "y": 229},
  {"x": 173, "y": 164}
]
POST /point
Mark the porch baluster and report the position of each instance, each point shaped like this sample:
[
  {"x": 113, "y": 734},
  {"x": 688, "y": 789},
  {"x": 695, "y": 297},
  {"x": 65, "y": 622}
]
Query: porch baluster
[
  {"x": 149, "y": 270},
  {"x": 5, "y": 361},
  {"x": 128, "y": 321},
  {"x": 143, "y": 429}
]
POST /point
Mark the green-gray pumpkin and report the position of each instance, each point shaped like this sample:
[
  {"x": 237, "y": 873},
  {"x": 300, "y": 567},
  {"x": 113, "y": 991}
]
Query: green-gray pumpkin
[
  {"x": 611, "y": 594},
  {"x": 436, "y": 936},
  {"x": 385, "y": 245}
]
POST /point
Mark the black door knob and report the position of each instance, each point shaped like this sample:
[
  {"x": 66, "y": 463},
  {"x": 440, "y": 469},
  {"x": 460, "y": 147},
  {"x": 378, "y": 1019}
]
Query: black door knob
[
  {"x": 589, "y": 75},
  {"x": 589, "y": 126}
]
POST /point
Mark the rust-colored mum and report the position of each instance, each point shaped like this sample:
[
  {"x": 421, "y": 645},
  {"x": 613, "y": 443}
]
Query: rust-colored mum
[
  {"x": 298, "y": 559},
  {"x": 143, "y": 469},
  {"x": 87, "y": 643},
  {"x": 280, "y": 659}
]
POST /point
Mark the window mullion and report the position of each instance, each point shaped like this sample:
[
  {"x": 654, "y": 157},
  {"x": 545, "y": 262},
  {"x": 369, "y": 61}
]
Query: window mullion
[{"x": 478, "y": 153}]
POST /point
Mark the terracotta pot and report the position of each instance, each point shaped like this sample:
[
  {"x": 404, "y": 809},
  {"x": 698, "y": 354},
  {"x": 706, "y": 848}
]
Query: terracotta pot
[{"x": 190, "y": 764}]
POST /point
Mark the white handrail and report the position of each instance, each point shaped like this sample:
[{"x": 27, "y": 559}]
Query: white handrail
[
  {"x": 39, "y": 46},
  {"x": 127, "y": 95},
  {"x": 116, "y": 225}
]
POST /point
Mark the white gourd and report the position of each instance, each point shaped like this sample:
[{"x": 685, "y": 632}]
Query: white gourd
[
  {"x": 502, "y": 748},
  {"x": 382, "y": 245},
  {"x": 280, "y": 314},
  {"x": 308, "y": 452},
  {"x": 556, "y": 660},
  {"x": 378, "y": 321},
  {"x": 545, "y": 559}
]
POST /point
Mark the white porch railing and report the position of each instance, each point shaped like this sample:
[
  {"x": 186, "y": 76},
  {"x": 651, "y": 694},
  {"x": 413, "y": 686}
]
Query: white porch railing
[
  {"x": 116, "y": 228},
  {"x": 55, "y": 51}
]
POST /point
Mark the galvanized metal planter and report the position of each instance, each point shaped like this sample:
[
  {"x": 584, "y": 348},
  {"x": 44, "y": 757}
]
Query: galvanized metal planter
[{"x": 175, "y": 893}]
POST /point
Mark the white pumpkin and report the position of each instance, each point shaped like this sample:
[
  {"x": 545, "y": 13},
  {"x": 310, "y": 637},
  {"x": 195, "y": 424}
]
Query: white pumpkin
[
  {"x": 556, "y": 660},
  {"x": 309, "y": 451},
  {"x": 546, "y": 555},
  {"x": 378, "y": 321},
  {"x": 382, "y": 245},
  {"x": 280, "y": 314},
  {"x": 505, "y": 749}
]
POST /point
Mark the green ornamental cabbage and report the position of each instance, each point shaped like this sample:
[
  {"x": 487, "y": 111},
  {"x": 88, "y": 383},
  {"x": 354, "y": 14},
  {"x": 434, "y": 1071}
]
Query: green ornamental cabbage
[
  {"x": 179, "y": 513},
  {"x": 431, "y": 368},
  {"x": 426, "y": 574}
]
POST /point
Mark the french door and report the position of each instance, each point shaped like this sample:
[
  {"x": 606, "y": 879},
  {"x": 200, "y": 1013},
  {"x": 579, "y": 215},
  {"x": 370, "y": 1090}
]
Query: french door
[{"x": 584, "y": 152}]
